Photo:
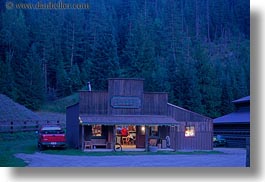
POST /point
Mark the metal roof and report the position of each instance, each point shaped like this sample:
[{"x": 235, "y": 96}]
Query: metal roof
[
  {"x": 243, "y": 99},
  {"x": 127, "y": 120},
  {"x": 242, "y": 115},
  {"x": 235, "y": 117}
]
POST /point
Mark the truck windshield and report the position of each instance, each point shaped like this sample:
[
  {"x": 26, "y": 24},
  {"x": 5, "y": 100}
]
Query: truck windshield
[{"x": 52, "y": 132}]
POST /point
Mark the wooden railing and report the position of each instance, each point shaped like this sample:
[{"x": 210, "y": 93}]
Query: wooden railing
[{"x": 29, "y": 125}]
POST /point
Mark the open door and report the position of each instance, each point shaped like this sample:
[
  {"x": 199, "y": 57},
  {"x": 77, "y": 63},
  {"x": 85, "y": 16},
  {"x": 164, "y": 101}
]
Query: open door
[{"x": 140, "y": 136}]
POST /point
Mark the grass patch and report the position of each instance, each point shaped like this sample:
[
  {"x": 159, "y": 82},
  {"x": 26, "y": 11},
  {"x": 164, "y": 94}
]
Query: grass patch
[
  {"x": 12, "y": 143},
  {"x": 60, "y": 104}
]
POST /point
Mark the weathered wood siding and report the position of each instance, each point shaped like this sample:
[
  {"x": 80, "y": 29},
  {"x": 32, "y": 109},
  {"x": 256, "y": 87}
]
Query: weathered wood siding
[
  {"x": 125, "y": 88},
  {"x": 202, "y": 139},
  {"x": 173, "y": 137},
  {"x": 203, "y": 129},
  {"x": 72, "y": 126},
  {"x": 181, "y": 114},
  {"x": 155, "y": 103},
  {"x": 93, "y": 102}
]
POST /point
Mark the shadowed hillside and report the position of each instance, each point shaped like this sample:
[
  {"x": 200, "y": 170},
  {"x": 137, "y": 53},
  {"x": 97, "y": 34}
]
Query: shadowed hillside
[
  {"x": 10, "y": 110},
  {"x": 15, "y": 117}
]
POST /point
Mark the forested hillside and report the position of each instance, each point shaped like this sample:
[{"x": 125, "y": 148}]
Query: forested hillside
[{"x": 196, "y": 50}]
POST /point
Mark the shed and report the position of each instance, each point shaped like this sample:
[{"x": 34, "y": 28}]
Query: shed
[{"x": 235, "y": 126}]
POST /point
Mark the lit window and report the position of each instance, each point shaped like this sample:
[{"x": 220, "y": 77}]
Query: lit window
[
  {"x": 154, "y": 131},
  {"x": 96, "y": 130},
  {"x": 189, "y": 131}
]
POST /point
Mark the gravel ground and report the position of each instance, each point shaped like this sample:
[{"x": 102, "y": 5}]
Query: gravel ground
[{"x": 230, "y": 158}]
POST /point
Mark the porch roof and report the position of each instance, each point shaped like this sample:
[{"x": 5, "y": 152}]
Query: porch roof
[{"x": 127, "y": 120}]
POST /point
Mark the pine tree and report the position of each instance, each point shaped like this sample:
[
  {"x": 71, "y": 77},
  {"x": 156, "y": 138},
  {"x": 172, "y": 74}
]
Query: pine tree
[
  {"x": 15, "y": 43},
  {"x": 63, "y": 86},
  {"x": 74, "y": 78},
  {"x": 73, "y": 46},
  {"x": 226, "y": 99},
  {"x": 86, "y": 69},
  {"x": 105, "y": 60},
  {"x": 31, "y": 81},
  {"x": 7, "y": 81},
  {"x": 207, "y": 82},
  {"x": 44, "y": 32},
  {"x": 197, "y": 51},
  {"x": 160, "y": 77}
]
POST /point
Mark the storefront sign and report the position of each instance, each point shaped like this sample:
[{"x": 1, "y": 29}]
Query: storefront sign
[{"x": 125, "y": 102}]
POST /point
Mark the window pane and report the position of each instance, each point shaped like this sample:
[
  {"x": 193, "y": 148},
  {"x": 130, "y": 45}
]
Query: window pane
[
  {"x": 189, "y": 131},
  {"x": 96, "y": 130},
  {"x": 154, "y": 131}
]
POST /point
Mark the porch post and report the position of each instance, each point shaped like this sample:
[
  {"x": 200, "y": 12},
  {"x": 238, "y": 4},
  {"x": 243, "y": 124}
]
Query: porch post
[
  {"x": 176, "y": 137},
  {"x": 173, "y": 137},
  {"x": 146, "y": 137},
  {"x": 83, "y": 136},
  {"x": 114, "y": 137}
]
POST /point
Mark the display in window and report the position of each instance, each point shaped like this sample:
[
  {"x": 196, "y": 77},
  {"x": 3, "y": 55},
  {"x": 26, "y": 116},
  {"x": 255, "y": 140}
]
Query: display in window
[
  {"x": 154, "y": 131},
  {"x": 189, "y": 131},
  {"x": 96, "y": 130}
]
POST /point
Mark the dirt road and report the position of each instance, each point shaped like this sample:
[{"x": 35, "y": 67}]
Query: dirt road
[{"x": 230, "y": 158}]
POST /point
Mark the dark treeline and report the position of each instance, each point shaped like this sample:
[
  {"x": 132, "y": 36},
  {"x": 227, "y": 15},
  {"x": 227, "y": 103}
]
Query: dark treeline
[{"x": 196, "y": 50}]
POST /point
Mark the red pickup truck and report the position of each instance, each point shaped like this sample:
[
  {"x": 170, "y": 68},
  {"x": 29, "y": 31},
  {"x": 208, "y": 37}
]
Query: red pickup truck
[{"x": 51, "y": 137}]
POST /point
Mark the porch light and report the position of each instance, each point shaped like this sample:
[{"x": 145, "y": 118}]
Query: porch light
[{"x": 143, "y": 129}]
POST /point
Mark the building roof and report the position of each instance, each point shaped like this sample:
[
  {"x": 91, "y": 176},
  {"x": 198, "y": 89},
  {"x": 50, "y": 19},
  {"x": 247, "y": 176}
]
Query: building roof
[
  {"x": 128, "y": 120},
  {"x": 235, "y": 117},
  {"x": 243, "y": 99},
  {"x": 242, "y": 115},
  {"x": 141, "y": 79}
]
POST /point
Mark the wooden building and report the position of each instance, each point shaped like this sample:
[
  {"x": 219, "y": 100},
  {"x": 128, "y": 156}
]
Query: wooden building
[
  {"x": 235, "y": 127},
  {"x": 146, "y": 116}
]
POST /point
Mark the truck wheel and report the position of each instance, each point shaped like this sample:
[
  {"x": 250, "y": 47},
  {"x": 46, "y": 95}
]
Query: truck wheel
[{"x": 40, "y": 147}]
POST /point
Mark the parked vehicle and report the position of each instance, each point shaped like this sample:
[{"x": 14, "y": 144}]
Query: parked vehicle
[
  {"x": 51, "y": 136},
  {"x": 219, "y": 140}
]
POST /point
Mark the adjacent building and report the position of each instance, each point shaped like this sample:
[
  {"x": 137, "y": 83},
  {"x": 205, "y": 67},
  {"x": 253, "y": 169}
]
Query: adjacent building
[
  {"x": 146, "y": 116},
  {"x": 235, "y": 127}
]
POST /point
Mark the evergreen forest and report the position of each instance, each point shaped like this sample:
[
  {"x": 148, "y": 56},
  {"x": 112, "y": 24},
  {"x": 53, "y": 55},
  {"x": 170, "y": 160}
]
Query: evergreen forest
[{"x": 196, "y": 50}]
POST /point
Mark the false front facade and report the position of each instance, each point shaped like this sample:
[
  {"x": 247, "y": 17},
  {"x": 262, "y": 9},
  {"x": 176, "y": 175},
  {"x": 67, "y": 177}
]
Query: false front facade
[{"x": 136, "y": 119}]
